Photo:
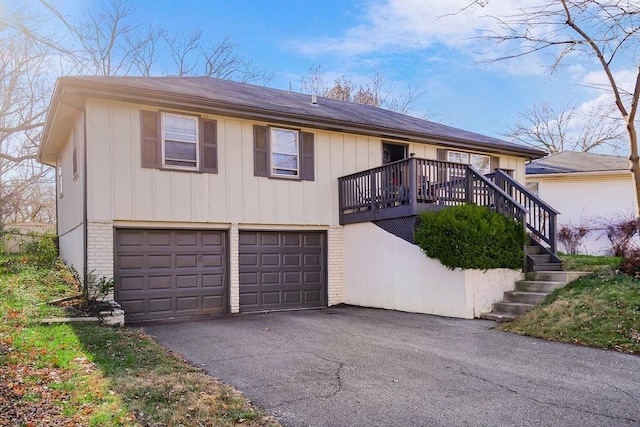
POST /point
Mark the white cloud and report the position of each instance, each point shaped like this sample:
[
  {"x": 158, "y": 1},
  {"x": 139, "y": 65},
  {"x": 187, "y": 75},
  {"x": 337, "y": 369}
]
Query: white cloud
[{"x": 414, "y": 24}]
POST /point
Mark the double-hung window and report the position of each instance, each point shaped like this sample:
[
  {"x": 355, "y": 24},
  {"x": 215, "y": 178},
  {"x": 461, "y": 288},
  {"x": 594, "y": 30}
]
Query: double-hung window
[
  {"x": 285, "y": 151},
  {"x": 180, "y": 141}
]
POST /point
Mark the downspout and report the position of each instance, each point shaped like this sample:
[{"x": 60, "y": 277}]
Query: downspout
[{"x": 85, "y": 230}]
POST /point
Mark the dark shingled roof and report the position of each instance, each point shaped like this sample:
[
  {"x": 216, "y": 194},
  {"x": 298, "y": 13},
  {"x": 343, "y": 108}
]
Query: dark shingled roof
[
  {"x": 575, "y": 162},
  {"x": 246, "y": 97}
]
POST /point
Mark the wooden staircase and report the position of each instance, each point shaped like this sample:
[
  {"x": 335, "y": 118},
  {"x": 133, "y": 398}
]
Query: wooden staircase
[{"x": 530, "y": 292}]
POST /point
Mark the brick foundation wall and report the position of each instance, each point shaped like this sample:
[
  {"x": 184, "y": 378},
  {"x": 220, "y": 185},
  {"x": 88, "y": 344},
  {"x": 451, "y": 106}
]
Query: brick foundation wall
[
  {"x": 234, "y": 268},
  {"x": 335, "y": 265},
  {"x": 100, "y": 248}
]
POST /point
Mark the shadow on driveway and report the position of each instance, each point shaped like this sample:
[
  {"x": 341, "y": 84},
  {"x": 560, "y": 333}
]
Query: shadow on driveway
[{"x": 350, "y": 366}]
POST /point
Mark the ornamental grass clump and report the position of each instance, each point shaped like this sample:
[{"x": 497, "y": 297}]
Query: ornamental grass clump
[{"x": 471, "y": 237}]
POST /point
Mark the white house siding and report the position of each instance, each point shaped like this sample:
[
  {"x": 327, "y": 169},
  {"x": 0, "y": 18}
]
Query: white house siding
[
  {"x": 582, "y": 198},
  {"x": 383, "y": 271},
  {"x": 122, "y": 190},
  {"x": 122, "y": 193},
  {"x": 70, "y": 203}
]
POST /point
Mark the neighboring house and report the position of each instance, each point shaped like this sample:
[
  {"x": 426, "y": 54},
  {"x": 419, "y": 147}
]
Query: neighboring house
[
  {"x": 205, "y": 196},
  {"x": 587, "y": 189}
]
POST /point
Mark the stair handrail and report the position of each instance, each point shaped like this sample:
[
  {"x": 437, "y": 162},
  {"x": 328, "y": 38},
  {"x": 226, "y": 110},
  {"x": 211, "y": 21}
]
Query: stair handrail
[
  {"x": 503, "y": 202},
  {"x": 541, "y": 219}
]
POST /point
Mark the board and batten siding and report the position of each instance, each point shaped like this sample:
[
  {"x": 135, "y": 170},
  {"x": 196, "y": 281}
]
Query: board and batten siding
[
  {"x": 121, "y": 190},
  {"x": 69, "y": 203}
]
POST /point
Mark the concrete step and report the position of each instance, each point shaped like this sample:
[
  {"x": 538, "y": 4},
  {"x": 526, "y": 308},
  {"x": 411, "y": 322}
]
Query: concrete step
[
  {"x": 556, "y": 276},
  {"x": 547, "y": 266},
  {"x": 541, "y": 259},
  {"x": 538, "y": 286},
  {"x": 516, "y": 308},
  {"x": 498, "y": 317},
  {"x": 525, "y": 297}
]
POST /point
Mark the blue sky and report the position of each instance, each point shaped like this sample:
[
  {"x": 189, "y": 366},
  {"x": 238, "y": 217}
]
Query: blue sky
[{"x": 413, "y": 42}]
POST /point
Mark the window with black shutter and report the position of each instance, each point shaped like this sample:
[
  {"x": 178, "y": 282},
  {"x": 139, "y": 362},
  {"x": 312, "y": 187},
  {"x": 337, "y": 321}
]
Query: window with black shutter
[
  {"x": 283, "y": 153},
  {"x": 179, "y": 141}
]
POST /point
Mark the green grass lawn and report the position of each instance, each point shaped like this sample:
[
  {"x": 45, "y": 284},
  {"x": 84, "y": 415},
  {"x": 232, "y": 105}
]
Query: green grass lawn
[
  {"x": 93, "y": 375},
  {"x": 600, "y": 310}
]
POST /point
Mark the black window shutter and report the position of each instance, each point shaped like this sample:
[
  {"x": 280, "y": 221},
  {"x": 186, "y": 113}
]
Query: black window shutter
[
  {"x": 307, "y": 163},
  {"x": 150, "y": 122},
  {"x": 260, "y": 151},
  {"x": 209, "y": 146}
]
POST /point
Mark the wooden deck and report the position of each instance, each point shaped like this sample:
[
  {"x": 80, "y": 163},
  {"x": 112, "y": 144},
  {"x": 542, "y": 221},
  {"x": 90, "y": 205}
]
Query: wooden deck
[{"x": 414, "y": 185}]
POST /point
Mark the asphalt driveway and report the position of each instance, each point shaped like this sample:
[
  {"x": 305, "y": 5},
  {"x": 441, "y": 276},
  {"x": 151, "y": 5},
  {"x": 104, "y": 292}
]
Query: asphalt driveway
[{"x": 349, "y": 366}]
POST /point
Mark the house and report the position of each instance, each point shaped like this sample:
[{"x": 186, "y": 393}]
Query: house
[
  {"x": 587, "y": 189},
  {"x": 205, "y": 196}
]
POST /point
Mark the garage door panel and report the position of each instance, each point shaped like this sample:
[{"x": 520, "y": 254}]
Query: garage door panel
[
  {"x": 248, "y": 299},
  {"x": 130, "y": 239},
  {"x": 159, "y": 282},
  {"x": 132, "y": 283},
  {"x": 212, "y": 241},
  {"x": 186, "y": 261},
  {"x": 184, "y": 281},
  {"x": 159, "y": 261},
  {"x": 186, "y": 303},
  {"x": 248, "y": 259},
  {"x": 249, "y": 278},
  {"x": 291, "y": 240},
  {"x": 312, "y": 296},
  {"x": 193, "y": 276},
  {"x": 269, "y": 239},
  {"x": 291, "y": 260},
  {"x": 131, "y": 262},
  {"x": 212, "y": 281},
  {"x": 291, "y": 277},
  {"x": 213, "y": 302},
  {"x": 270, "y": 260},
  {"x": 158, "y": 238},
  {"x": 210, "y": 260},
  {"x": 292, "y": 297},
  {"x": 188, "y": 238},
  {"x": 273, "y": 265},
  {"x": 270, "y": 278}
]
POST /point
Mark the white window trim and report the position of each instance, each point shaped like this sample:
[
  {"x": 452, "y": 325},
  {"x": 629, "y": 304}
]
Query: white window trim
[
  {"x": 197, "y": 143},
  {"x": 272, "y": 131},
  {"x": 469, "y": 157}
]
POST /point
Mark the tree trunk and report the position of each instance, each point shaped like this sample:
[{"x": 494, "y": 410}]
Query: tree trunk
[{"x": 635, "y": 164}]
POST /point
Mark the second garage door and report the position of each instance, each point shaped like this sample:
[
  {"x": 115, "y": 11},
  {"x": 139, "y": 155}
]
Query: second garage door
[{"x": 282, "y": 270}]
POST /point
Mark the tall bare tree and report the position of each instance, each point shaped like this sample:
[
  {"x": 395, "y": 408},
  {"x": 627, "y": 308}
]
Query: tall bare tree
[
  {"x": 374, "y": 93},
  {"x": 605, "y": 31},
  {"x": 110, "y": 40},
  {"x": 566, "y": 130}
]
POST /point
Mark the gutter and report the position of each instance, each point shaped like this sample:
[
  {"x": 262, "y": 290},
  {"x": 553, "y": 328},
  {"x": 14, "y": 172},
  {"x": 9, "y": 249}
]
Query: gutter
[{"x": 614, "y": 173}]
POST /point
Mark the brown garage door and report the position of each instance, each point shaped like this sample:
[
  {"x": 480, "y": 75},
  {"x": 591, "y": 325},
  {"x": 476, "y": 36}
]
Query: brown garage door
[
  {"x": 281, "y": 270},
  {"x": 171, "y": 273}
]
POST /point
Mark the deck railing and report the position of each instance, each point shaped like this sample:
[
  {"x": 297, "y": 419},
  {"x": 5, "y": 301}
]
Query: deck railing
[
  {"x": 410, "y": 186},
  {"x": 541, "y": 219}
]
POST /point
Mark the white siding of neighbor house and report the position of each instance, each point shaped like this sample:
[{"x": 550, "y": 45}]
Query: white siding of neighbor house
[
  {"x": 70, "y": 203},
  {"x": 383, "y": 271},
  {"x": 588, "y": 198},
  {"x": 120, "y": 190}
]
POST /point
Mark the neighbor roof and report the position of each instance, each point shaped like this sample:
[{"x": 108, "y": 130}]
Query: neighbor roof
[
  {"x": 227, "y": 97},
  {"x": 577, "y": 162}
]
